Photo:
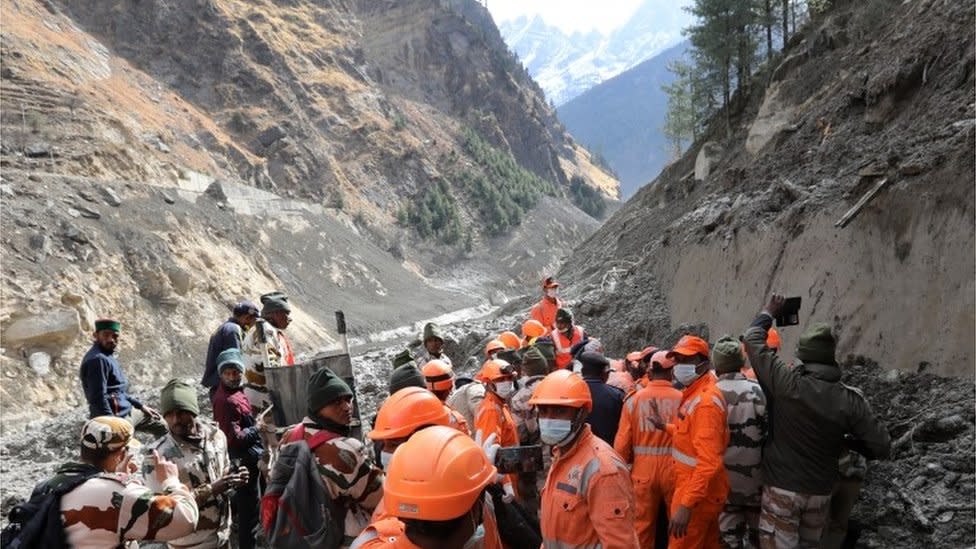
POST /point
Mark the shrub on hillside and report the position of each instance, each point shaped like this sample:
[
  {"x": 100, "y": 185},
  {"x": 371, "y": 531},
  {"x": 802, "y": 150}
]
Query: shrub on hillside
[{"x": 587, "y": 198}]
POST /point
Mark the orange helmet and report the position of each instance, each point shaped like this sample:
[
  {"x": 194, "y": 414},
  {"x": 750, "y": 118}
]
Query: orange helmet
[
  {"x": 439, "y": 375},
  {"x": 510, "y": 339},
  {"x": 533, "y": 328},
  {"x": 495, "y": 369},
  {"x": 494, "y": 345},
  {"x": 562, "y": 388},
  {"x": 406, "y": 411},
  {"x": 690, "y": 345},
  {"x": 437, "y": 475},
  {"x": 772, "y": 339}
]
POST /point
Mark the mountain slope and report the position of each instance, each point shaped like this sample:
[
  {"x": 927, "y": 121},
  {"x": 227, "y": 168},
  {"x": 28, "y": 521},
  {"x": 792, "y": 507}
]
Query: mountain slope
[
  {"x": 567, "y": 65},
  {"x": 859, "y": 101},
  {"x": 622, "y": 118},
  {"x": 163, "y": 160}
]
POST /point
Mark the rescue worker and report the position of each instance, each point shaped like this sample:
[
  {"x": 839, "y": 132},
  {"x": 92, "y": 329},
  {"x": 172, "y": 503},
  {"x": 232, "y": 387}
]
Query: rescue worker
[
  {"x": 266, "y": 345},
  {"x": 619, "y": 376},
  {"x": 233, "y": 414},
  {"x": 436, "y": 492},
  {"x": 648, "y": 448},
  {"x": 439, "y": 379},
  {"x": 530, "y": 484},
  {"x": 493, "y": 347},
  {"x": 532, "y": 330},
  {"x": 604, "y": 418},
  {"x": 641, "y": 366},
  {"x": 347, "y": 471},
  {"x": 544, "y": 312},
  {"x": 588, "y": 500},
  {"x": 113, "y": 507},
  {"x": 565, "y": 337},
  {"x": 699, "y": 437},
  {"x": 494, "y": 417},
  {"x": 199, "y": 450},
  {"x": 230, "y": 334},
  {"x": 746, "y": 412},
  {"x": 433, "y": 345},
  {"x": 105, "y": 386},
  {"x": 813, "y": 418}
]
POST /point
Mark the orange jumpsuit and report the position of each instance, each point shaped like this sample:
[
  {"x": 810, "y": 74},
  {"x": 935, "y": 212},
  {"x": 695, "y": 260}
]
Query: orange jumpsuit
[
  {"x": 563, "y": 345},
  {"x": 494, "y": 417},
  {"x": 649, "y": 450},
  {"x": 545, "y": 312},
  {"x": 699, "y": 436},
  {"x": 588, "y": 500},
  {"x": 389, "y": 532}
]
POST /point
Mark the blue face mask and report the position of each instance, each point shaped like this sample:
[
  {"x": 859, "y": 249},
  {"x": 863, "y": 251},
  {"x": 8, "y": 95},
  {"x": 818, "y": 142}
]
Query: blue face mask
[
  {"x": 685, "y": 373},
  {"x": 554, "y": 431}
]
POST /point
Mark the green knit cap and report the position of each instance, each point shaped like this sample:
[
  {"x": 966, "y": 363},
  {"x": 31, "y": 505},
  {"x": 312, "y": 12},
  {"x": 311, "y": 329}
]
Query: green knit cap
[
  {"x": 432, "y": 330},
  {"x": 407, "y": 375},
  {"x": 534, "y": 362},
  {"x": 324, "y": 388},
  {"x": 548, "y": 350},
  {"x": 230, "y": 358},
  {"x": 178, "y": 395},
  {"x": 727, "y": 355},
  {"x": 817, "y": 344}
]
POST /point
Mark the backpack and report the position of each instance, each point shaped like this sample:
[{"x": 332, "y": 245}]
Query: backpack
[
  {"x": 36, "y": 523},
  {"x": 296, "y": 510}
]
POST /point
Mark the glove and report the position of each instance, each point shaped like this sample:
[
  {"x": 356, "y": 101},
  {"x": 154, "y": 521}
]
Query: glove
[
  {"x": 509, "y": 492},
  {"x": 490, "y": 449}
]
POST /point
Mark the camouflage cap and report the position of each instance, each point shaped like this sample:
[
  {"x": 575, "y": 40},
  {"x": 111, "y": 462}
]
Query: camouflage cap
[{"x": 108, "y": 433}]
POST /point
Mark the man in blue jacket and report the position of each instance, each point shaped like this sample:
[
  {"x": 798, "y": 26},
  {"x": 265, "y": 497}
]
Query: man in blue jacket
[
  {"x": 608, "y": 401},
  {"x": 106, "y": 387},
  {"x": 229, "y": 335}
]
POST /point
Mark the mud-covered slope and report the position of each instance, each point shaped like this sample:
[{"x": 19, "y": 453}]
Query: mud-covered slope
[{"x": 859, "y": 99}]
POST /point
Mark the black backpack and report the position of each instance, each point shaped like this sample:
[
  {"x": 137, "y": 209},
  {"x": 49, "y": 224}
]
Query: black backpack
[{"x": 36, "y": 523}]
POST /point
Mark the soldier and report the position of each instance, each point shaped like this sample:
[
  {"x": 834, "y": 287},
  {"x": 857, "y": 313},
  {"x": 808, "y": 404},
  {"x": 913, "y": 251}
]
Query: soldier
[
  {"x": 229, "y": 335},
  {"x": 105, "y": 385},
  {"x": 266, "y": 345},
  {"x": 199, "y": 450},
  {"x": 746, "y": 410},
  {"x": 530, "y": 485},
  {"x": 113, "y": 507},
  {"x": 433, "y": 340},
  {"x": 348, "y": 473}
]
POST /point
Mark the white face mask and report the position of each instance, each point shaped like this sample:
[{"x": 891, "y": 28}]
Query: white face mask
[
  {"x": 551, "y": 293},
  {"x": 554, "y": 431},
  {"x": 385, "y": 458},
  {"x": 685, "y": 373},
  {"x": 504, "y": 389}
]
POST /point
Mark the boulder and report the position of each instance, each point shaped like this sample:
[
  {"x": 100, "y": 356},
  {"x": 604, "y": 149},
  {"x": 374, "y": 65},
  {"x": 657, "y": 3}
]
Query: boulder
[
  {"x": 53, "y": 330},
  {"x": 775, "y": 115},
  {"x": 110, "y": 197},
  {"x": 706, "y": 160},
  {"x": 40, "y": 362}
]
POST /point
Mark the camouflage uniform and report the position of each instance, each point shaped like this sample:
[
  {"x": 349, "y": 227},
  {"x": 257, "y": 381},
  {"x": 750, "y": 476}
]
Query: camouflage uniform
[
  {"x": 778, "y": 524},
  {"x": 746, "y": 408},
  {"x": 350, "y": 477},
  {"x": 526, "y": 418},
  {"x": 279, "y": 354},
  {"x": 115, "y": 506},
  {"x": 201, "y": 464}
]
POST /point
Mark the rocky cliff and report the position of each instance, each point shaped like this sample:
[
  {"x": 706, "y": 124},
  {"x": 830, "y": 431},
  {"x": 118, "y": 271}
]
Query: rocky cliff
[
  {"x": 162, "y": 160},
  {"x": 847, "y": 179}
]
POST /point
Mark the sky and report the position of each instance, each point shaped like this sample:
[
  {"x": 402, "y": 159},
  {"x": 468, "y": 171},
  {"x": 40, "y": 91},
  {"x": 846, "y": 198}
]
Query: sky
[{"x": 568, "y": 15}]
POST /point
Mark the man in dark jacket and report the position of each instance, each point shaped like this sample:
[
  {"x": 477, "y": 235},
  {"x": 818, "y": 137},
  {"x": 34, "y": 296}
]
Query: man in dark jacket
[
  {"x": 608, "y": 401},
  {"x": 229, "y": 335},
  {"x": 233, "y": 414},
  {"x": 813, "y": 418},
  {"x": 106, "y": 387}
]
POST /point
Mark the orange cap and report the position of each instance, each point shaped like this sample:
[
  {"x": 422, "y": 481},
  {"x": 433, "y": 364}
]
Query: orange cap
[
  {"x": 772, "y": 339},
  {"x": 690, "y": 345},
  {"x": 406, "y": 411},
  {"x": 562, "y": 388},
  {"x": 439, "y": 375},
  {"x": 647, "y": 351},
  {"x": 633, "y": 356},
  {"x": 510, "y": 339},
  {"x": 533, "y": 328},
  {"x": 494, "y": 345},
  {"x": 437, "y": 475},
  {"x": 661, "y": 358},
  {"x": 549, "y": 282},
  {"x": 494, "y": 369}
]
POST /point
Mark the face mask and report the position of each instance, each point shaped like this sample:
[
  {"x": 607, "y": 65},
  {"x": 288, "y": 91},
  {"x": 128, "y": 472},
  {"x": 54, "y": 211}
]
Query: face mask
[
  {"x": 554, "y": 431},
  {"x": 504, "y": 389},
  {"x": 685, "y": 373},
  {"x": 385, "y": 458},
  {"x": 551, "y": 293}
]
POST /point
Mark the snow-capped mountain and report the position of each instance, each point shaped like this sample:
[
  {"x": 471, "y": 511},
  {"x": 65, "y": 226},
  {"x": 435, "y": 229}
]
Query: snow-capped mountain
[{"x": 566, "y": 65}]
